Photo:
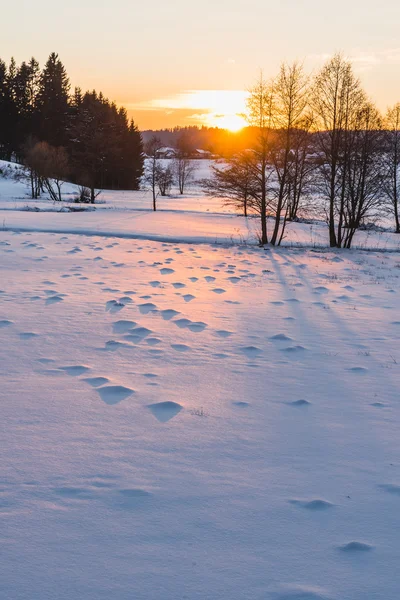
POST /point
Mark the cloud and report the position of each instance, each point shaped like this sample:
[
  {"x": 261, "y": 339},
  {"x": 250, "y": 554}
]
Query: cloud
[{"x": 364, "y": 60}]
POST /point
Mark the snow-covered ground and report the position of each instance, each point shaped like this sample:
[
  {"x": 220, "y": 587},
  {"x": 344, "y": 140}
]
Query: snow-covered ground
[
  {"x": 195, "y": 421},
  {"x": 193, "y": 217}
]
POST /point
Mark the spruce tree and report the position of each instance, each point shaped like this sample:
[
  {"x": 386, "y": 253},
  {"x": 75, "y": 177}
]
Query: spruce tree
[{"x": 53, "y": 102}]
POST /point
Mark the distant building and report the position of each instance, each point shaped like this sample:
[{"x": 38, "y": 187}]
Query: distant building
[
  {"x": 198, "y": 153},
  {"x": 166, "y": 152}
]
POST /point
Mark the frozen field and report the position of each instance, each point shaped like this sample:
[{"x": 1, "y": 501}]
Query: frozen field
[
  {"x": 197, "y": 422},
  {"x": 191, "y": 218}
]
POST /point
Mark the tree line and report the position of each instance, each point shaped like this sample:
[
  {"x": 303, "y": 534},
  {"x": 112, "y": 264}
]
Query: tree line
[
  {"x": 319, "y": 144},
  {"x": 59, "y": 135}
]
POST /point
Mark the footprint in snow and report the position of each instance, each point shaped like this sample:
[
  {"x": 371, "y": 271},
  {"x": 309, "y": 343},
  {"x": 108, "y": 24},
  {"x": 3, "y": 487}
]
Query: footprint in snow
[
  {"x": 5, "y": 323},
  {"x": 113, "y": 394},
  {"x": 147, "y": 307},
  {"x": 355, "y": 547},
  {"x": 197, "y": 326},
  {"x": 96, "y": 381},
  {"x": 313, "y": 505},
  {"x": 281, "y": 337},
  {"x": 391, "y": 488},
  {"x": 113, "y": 345},
  {"x": 165, "y": 411},
  {"x": 180, "y": 347},
  {"x": 53, "y": 299},
  {"x": 294, "y": 349},
  {"x": 182, "y": 323},
  {"x": 138, "y": 332},
  {"x": 223, "y": 333},
  {"x": 251, "y": 351},
  {"x": 75, "y": 370},
  {"x": 168, "y": 314},
  {"x": 219, "y": 291},
  {"x": 28, "y": 335},
  {"x": 153, "y": 341},
  {"x": 113, "y": 306},
  {"x": 123, "y": 326},
  {"x": 178, "y": 285},
  {"x": 188, "y": 297},
  {"x": 125, "y": 300},
  {"x": 166, "y": 271},
  {"x": 299, "y": 403},
  {"x": 360, "y": 370}
]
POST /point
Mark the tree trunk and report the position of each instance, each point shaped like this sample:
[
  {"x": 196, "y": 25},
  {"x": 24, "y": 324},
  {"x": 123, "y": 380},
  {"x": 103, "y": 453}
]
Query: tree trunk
[{"x": 264, "y": 237}]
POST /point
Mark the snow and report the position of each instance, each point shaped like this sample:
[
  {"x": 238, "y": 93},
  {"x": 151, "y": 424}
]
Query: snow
[
  {"x": 183, "y": 420},
  {"x": 191, "y": 218}
]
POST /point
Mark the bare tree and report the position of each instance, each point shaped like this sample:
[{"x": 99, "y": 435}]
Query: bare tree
[
  {"x": 363, "y": 175},
  {"x": 391, "y": 182},
  {"x": 184, "y": 166},
  {"x": 301, "y": 172},
  {"x": 336, "y": 99},
  {"x": 30, "y": 173},
  {"x": 152, "y": 149},
  {"x": 290, "y": 94},
  {"x": 51, "y": 165},
  {"x": 234, "y": 181},
  {"x": 164, "y": 177},
  {"x": 259, "y": 107}
]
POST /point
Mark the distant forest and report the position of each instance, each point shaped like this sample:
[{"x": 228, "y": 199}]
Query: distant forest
[{"x": 82, "y": 137}]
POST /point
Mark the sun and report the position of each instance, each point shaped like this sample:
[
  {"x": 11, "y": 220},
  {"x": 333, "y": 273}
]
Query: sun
[
  {"x": 213, "y": 108},
  {"x": 233, "y": 122}
]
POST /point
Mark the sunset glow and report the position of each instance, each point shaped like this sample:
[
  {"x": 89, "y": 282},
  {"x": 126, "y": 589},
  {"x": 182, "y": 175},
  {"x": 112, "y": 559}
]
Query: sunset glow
[{"x": 213, "y": 108}]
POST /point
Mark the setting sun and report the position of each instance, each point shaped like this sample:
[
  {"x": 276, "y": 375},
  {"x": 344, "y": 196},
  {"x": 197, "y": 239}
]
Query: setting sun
[
  {"x": 212, "y": 108},
  {"x": 233, "y": 122}
]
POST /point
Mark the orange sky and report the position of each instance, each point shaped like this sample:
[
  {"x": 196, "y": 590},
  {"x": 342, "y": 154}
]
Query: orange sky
[{"x": 142, "y": 53}]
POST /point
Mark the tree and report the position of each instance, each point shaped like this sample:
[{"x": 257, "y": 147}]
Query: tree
[
  {"x": 234, "y": 181},
  {"x": 259, "y": 107},
  {"x": 51, "y": 165},
  {"x": 34, "y": 179},
  {"x": 53, "y": 102},
  {"x": 290, "y": 97},
  {"x": 391, "y": 181},
  {"x": 336, "y": 98},
  {"x": 364, "y": 173},
  {"x": 184, "y": 166},
  {"x": 106, "y": 148},
  {"x": 302, "y": 170},
  {"x": 8, "y": 110},
  {"x": 164, "y": 179},
  {"x": 152, "y": 149}
]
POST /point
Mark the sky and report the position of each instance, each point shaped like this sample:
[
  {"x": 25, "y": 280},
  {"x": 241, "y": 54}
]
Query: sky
[{"x": 179, "y": 62}]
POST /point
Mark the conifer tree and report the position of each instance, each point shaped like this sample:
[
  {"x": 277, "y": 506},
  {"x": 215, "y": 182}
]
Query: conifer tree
[{"x": 53, "y": 102}]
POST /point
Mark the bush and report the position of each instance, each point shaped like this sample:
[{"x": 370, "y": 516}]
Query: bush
[{"x": 84, "y": 196}]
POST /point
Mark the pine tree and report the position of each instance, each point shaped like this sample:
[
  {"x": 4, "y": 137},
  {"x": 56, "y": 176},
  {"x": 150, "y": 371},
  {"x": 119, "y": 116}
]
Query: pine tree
[{"x": 53, "y": 102}]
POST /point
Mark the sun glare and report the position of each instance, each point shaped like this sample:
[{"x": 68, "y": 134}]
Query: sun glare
[
  {"x": 213, "y": 108},
  {"x": 234, "y": 122}
]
